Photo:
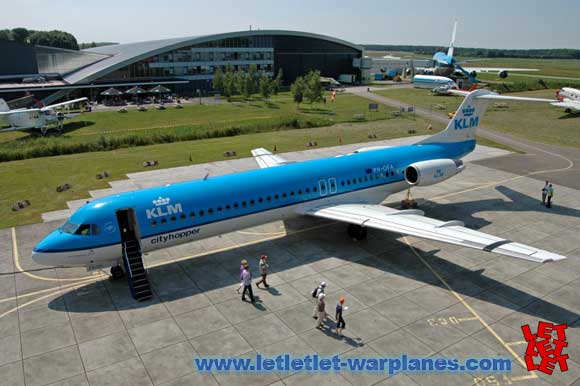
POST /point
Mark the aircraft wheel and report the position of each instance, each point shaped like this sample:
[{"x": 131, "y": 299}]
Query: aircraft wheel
[
  {"x": 357, "y": 232},
  {"x": 117, "y": 272},
  {"x": 568, "y": 111}
]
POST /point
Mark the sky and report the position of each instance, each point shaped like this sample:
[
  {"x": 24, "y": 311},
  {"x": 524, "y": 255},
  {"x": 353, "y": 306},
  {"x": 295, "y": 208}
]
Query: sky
[{"x": 486, "y": 23}]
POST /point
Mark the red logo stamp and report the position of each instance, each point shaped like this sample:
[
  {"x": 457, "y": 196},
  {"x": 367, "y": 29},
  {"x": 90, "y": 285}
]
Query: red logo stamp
[{"x": 545, "y": 347}]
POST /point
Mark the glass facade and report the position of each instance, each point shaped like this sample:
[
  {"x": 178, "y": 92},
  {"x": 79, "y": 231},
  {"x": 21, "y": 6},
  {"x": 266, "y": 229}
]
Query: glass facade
[{"x": 295, "y": 55}]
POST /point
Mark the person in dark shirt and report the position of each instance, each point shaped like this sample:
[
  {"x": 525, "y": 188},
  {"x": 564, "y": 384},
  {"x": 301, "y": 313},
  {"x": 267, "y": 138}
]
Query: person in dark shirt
[{"x": 340, "y": 325}]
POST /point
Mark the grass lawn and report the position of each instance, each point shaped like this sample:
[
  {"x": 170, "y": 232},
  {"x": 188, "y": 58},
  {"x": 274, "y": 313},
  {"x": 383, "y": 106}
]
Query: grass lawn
[
  {"x": 539, "y": 122},
  {"x": 36, "y": 179},
  {"x": 137, "y": 128},
  {"x": 551, "y": 67}
]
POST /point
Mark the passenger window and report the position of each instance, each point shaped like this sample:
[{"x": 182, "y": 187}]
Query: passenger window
[
  {"x": 360, "y": 180},
  {"x": 244, "y": 204},
  {"x": 201, "y": 212},
  {"x": 307, "y": 190},
  {"x": 228, "y": 207},
  {"x": 236, "y": 205},
  {"x": 219, "y": 208},
  {"x": 276, "y": 196},
  {"x": 163, "y": 221},
  {"x": 192, "y": 214},
  {"x": 260, "y": 200},
  {"x": 315, "y": 189},
  {"x": 153, "y": 223},
  {"x": 348, "y": 182},
  {"x": 341, "y": 183},
  {"x": 269, "y": 198},
  {"x": 284, "y": 195},
  {"x": 292, "y": 193},
  {"x": 183, "y": 217},
  {"x": 173, "y": 218},
  {"x": 300, "y": 191},
  {"x": 210, "y": 211},
  {"x": 252, "y": 202}
]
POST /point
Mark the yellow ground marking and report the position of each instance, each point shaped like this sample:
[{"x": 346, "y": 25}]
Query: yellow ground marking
[
  {"x": 26, "y": 295},
  {"x": 517, "y": 343},
  {"x": 466, "y": 319},
  {"x": 466, "y": 305},
  {"x": 524, "y": 377},
  {"x": 16, "y": 256},
  {"x": 73, "y": 286},
  {"x": 283, "y": 233}
]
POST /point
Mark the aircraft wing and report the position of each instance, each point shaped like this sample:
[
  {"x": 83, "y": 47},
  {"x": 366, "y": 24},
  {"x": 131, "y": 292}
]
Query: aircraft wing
[
  {"x": 65, "y": 103},
  {"x": 413, "y": 222},
  {"x": 498, "y": 69},
  {"x": 501, "y": 97},
  {"x": 266, "y": 159},
  {"x": 567, "y": 105}
]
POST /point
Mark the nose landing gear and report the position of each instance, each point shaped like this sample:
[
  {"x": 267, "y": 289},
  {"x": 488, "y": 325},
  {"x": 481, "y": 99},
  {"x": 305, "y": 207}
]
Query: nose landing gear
[
  {"x": 117, "y": 272},
  {"x": 357, "y": 232}
]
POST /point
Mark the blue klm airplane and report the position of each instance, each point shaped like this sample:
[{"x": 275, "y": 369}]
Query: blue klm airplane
[
  {"x": 346, "y": 188},
  {"x": 445, "y": 64}
]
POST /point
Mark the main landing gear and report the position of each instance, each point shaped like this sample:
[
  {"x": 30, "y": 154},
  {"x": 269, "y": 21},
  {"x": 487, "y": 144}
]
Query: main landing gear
[
  {"x": 357, "y": 232},
  {"x": 117, "y": 272}
]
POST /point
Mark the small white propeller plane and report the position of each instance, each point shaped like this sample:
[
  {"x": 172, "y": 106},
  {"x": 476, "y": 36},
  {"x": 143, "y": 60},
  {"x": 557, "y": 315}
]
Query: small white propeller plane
[
  {"x": 38, "y": 118},
  {"x": 568, "y": 98}
]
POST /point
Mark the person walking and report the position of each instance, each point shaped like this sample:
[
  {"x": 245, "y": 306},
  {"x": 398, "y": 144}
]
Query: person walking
[
  {"x": 550, "y": 196},
  {"x": 242, "y": 263},
  {"x": 545, "y": 192},
  {"x": 317, "y": 291},
  {"x": 340, "y": 324},
  {"x": 264, "y": 266},
  {"x": 321, "y": 310},
  {"x": 247, "y": 281}
]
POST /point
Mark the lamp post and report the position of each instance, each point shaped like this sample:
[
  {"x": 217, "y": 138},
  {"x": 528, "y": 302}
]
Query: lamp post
[{"x": 199, "y": 94}]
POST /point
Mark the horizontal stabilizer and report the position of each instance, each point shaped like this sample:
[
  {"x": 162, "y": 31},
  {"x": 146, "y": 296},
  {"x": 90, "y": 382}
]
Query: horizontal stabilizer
[{"x": 266, "y": 159}]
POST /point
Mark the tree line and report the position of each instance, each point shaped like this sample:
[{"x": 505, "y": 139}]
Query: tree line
[
  {"x": 59, "y": 39},
  {"x": 542, "y": 53},
  {"x": 246, "y": 83}
]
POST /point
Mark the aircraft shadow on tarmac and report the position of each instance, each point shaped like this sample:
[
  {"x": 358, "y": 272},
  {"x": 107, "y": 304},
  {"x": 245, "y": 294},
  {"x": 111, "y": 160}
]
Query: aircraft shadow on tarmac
[{"x": 184, "y": 279}]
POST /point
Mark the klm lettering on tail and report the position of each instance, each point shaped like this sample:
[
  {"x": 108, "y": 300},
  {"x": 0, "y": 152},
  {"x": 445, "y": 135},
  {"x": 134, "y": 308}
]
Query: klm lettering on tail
[
  {"x": 467, "y": 120},
  {"x": 163, "y": 208}
]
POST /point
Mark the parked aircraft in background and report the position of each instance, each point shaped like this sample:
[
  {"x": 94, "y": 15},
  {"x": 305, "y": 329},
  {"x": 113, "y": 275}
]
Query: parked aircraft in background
[
  {"x": 37, "y": 118},
  {"x": 445, "y": 64},
  {"x": 568, "y": 98},
  {"x": 433, "y": 81},
  {"x": 116, "y": 230}
]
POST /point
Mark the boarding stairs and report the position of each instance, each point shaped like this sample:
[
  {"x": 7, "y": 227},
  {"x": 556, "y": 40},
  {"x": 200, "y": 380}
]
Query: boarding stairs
[{"x": 135, "y": 270}]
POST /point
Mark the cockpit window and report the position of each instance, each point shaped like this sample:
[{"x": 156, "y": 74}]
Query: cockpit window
[
  {"x": 69, "y": 227},
  {"x": 87, "y": 230},
  {"x": 84, "y": 230}
]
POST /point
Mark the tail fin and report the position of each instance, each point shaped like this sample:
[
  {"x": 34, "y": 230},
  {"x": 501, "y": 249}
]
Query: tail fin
[
  {"x": 3, "y": 106},
  {"x": 450, "y": 50},
  {"x": 466, "y": 120}
]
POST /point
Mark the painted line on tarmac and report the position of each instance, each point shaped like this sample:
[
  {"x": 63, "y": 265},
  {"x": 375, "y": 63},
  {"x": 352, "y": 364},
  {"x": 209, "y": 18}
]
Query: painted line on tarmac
[
  {"x": 466, "y": 305},
  {"x": 19, "y": 268},
  {"x": 80, "y": 284},
  {"x": 52, "y": 289}
]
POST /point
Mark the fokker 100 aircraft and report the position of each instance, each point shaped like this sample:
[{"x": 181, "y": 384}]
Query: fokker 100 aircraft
[{"x": 347, "y": 188}]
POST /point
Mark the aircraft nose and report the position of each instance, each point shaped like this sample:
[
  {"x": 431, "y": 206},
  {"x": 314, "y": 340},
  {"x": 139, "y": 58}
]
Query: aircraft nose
[{"x": 46, "y": 251}]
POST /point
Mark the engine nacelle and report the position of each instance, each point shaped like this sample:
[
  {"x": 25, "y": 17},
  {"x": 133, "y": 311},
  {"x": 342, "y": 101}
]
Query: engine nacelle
[
  {"x": 431, "y": 172},
  {"x": 502, "y": 74}
]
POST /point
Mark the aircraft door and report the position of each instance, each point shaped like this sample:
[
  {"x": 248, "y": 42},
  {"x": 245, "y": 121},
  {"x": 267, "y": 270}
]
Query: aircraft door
[{"x": 332, "y": 185}]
